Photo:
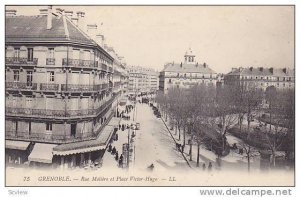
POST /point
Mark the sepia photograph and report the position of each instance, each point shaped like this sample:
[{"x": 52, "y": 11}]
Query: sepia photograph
[{"x": 149, "y": 95}]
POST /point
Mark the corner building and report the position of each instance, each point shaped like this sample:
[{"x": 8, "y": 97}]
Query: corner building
[{"x": 59, "y": 91}]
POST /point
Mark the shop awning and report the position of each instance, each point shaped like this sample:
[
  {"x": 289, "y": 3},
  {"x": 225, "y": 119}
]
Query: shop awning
[
  {"x": 18, "y": 145},
  {"x": 86, "y": 146},
  {"x": 42, "y": 153}
]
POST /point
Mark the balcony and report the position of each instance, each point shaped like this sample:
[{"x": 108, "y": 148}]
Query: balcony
[
  {"x": 20, "y": 86},
  {"x": 79, "y": 63},
  {"x": 21, "y": 61},
  {"x": 50, "y": 61},
  {"x": 35, "y": 112},
  {"x": 49, "y": 86},
  {"x": 46, "y": 137},
  {"x": 76, "y": 88},
  {"x": 82, "y": 112}
]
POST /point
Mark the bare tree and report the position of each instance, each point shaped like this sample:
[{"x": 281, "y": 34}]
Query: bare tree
[{"x": 226, "y": 111}]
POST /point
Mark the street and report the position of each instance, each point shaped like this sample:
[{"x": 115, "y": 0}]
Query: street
[{"x": 152, "y": 144}]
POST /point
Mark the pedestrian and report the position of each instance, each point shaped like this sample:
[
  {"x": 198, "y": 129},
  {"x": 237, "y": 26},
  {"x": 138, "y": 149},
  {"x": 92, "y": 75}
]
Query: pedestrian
[
  {"x": 109, "y": 148},
  {"x": 117, "y": 137},
  {"x": 117, "y": 156},
  {"x": 123, "y": 127},
  {"x": 209, "y": 166},
  {"x": 113, "y": 150},
  {"x": 121, "y": 161},
  {"x": 119, "y": 126},
  {"x": 203, "y": 166},
  {"x": 182, "y": 148}
]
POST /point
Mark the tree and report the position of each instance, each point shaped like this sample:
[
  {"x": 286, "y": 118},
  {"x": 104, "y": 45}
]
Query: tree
[
  {"x": 281, "y": 117},
  {"x": 225, "y": 111}
]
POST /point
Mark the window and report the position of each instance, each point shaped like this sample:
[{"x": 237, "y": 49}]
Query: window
[
  {"x": 170, "y": 81},
  {"x": 29, "y": 78},
  {"x": 17, "y": 53},
  {"x": 16, "y": 76},
  {"x": 277, "y": 78},
  {"x": 51, "y": 53},
  {"x": 30, "y": 54},
  {"x": 29, "y": 128},
  {"x": 48, "y": 126},
  {"x": 51, "y": 76}
]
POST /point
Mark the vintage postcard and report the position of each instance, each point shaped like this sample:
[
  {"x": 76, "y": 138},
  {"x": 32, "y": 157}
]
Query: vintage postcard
[{"x": 149, "y": 95}]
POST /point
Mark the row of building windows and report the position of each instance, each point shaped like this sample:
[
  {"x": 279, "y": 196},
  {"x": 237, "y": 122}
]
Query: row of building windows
[
  {"x": 77, "y": 54},
  {"x": 268, "y": 78}
]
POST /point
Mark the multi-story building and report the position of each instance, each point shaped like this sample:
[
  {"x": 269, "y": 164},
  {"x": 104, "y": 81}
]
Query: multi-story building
[
  {"x": 142, "y": 80},
  {"x": 187, "y": 74},
  {"x": 59, "y": 90},
  {"x": 280, "y": 78}
]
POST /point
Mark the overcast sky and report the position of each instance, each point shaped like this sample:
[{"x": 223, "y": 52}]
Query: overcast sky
[{"x": 222, "y": 36}]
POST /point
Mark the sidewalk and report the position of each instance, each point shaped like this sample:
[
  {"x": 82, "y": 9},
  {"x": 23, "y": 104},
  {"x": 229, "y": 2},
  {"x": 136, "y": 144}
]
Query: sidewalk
[{"x": 109, "y": 159}]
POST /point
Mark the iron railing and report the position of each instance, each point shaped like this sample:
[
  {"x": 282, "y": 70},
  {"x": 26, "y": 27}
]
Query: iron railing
[
  {"x": 21, "y": 61},
  {"x": 21, "y": 86}
]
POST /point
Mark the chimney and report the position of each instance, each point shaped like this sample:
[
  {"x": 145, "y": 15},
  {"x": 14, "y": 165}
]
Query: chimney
[
  {"x": 204, "y": 65},
  {"x": 49, "y": 17},
  {"x": 75, "y": 20},
  {"x": 233, "y": 69},
  {"x": 261, "y": 69},
  {"x": 10, "y": 12},
  {"x": 69, "y": 14},
  {"x": 80, "y": 16},
  {"x": 92, "y": 30},
  {"x": 181, "y": 65},
  {"x": 251, "y": 68},
  {"x": 197, "y": 64},
  {"x": 271, "y": 70},
  {"x": 284, "y": 70}
]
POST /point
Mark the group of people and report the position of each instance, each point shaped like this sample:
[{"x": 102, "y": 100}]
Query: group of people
[
  {"x": 209, "y": 166},
  {"x": 114, "y": 152}
]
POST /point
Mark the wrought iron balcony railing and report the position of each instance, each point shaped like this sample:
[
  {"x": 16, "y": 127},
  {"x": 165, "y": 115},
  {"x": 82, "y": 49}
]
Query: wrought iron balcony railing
[
  {"x": 79, "y": 63},
  {"x": 46, "y": 137},
  {"x": 49, "y": 86},
  {"x": 21, "y": 86},
  {"x": 76, "y": 87},
  {"x": 21, "y": 61}
]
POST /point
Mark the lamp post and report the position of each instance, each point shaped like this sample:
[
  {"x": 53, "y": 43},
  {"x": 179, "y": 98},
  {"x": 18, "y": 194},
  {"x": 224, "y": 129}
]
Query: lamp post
[{"x": 128, "y": 149}]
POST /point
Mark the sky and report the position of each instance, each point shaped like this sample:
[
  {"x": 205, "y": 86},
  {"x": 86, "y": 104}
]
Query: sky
[{"x": 221, "y": 36}]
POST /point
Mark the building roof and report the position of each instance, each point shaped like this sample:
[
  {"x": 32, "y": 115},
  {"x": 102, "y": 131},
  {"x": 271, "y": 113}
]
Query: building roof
[
  {"x": 263, "y": 71},
  {"x": 34, "y": 29},
  {"x": 188, "y": 68}
]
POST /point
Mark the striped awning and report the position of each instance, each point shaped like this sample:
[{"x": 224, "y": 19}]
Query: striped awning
[
  {"x": 17, "y": 145},
  {"x": 42, "y": 153}
]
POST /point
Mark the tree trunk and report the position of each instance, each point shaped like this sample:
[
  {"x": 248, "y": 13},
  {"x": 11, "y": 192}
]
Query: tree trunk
[
  {"x": 179, "y": 134},
  {"x": 248, "y": 158},
  {"x": 273, "y": 159},
  {"x": 198, "y": 154},
  {"x": 184, "y": 133},
  {"x": 240, "y": 123},
  {"x": 191, "y": 152}
]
